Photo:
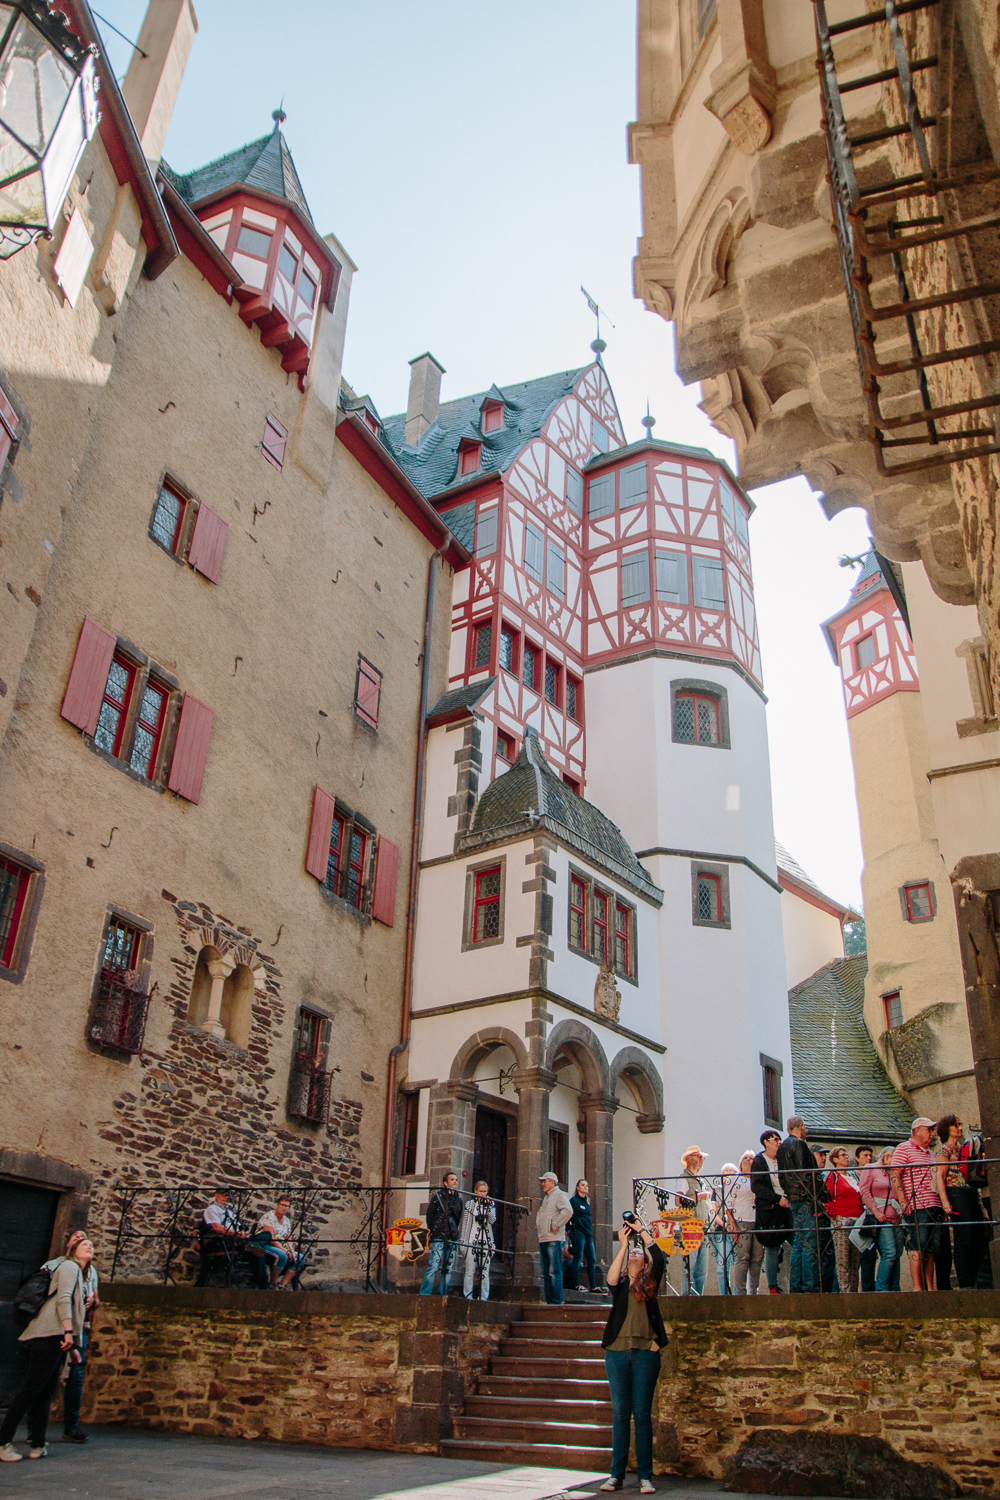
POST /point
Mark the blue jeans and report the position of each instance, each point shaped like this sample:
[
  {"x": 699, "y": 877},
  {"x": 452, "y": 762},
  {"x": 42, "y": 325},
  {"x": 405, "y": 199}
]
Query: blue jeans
[
  {"x": 725, "y": 1254},
  {"x": 583, "y": 1246},
  {"x": 695, "y": 1270},
  {"x": 772, "y": 1259},
  {"x": 551, "y": 1256},
  {"x": 888, "y": 1241},
  {"x": 804, "y": 1273},
  {"x": 632, "y": 1376},
  {"x": 439, "y": 1264},
  {"x": 73, "y": 1394}
]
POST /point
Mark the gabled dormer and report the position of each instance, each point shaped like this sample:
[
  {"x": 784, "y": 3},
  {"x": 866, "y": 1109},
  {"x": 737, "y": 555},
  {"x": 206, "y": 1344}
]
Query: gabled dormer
[
  {"x": 252, "y": 205},
  {"x": 491, "y": 412}
]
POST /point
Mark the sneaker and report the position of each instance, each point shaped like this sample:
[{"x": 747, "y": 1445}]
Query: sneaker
[
  {"x": 647, "y": 1487},
  {"x": 612, "y": 1484},
  {"x": 41, "y": 1452},
  {"x": 775, "y": 1291},
  {"x": 74, "y": 1435},
  {"x": 9, "y": 1454}
]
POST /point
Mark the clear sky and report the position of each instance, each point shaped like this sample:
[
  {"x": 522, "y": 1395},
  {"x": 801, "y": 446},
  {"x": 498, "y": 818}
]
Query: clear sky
[{"x": 472, "y": 161}]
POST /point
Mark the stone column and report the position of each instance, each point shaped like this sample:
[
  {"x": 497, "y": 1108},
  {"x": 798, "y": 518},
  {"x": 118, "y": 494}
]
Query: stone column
[
  {"x": 598, "y": 1111},
  {"x": 533, "y": 1087},
  {"x": 452, "y": 1142},
  {"x": 212, "y": 1024}
]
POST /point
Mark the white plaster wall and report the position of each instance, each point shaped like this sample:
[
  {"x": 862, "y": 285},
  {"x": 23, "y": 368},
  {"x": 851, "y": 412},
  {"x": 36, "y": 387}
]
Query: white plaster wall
[
  {"x": 442, "y": 973},
  {"x": 435, "y": 1040},
  {"x": 812, "y": 938},
  {"x": 636, "y": 1155},
  {"x": 440, "y": 777}
]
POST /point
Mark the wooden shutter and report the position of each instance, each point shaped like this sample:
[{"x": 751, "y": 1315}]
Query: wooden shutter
[
  {"x": 187, "y": 769},
  {"x": 208, "y": 543},
  {"x": 320, "y": 829},
  {"x": 91, "y": 664},
  {"x": 386, "y": 870},
  {"x": 366, "y": 699},
  {"x": 8, "y": 427},
  {"x": 274, "y": 440}
]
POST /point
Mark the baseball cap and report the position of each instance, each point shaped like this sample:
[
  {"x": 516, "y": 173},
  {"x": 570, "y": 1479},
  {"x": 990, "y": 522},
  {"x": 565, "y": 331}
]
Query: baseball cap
[
  {"x": 548, "y": 1176},
  {"x": 923, "y": 1120},
  {"x": 223, "y": 1189}
]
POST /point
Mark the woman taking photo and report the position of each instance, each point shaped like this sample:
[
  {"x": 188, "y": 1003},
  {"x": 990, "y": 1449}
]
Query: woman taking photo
[
  {"x": 52, "y": 1335},
  {"x": 633, "y": 1337}
]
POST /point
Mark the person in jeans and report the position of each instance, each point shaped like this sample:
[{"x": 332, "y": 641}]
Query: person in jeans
[
  {"x": 827, "y": 1259},
  {"x": 699, "y": 1196},
  {"x": 53, "y": 1334},
  {"x": 285, "y": 1263},
  {"x": 73, "y": 1390},
  {"x": 749, "y": 1249},
  {"x": 554, "y": 1213},
  {"x": 863, "y": 1158},
  {"x": 914, "y": 1181},
  {"x": 581, "y": 1236},
  {"x": 633, "y": 1338},
  {"x": 877, "y": 1196},
  {"x": 444, "y": 1221},
  {"x": 961, "y": 1203},
  {"x": 844, "y": 1209},
  {"x": 772, "y": 1215},
  {"x": 802, "y": 1185}
]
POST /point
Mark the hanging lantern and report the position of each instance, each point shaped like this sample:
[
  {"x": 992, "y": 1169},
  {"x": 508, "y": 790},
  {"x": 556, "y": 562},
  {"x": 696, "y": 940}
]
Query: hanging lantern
[{"x": 48, "y": 113}]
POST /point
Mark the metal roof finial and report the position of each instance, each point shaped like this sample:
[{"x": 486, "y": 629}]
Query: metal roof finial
[
  {"x": 647, "y": 421},
  {"x": 278, "y": 115}
]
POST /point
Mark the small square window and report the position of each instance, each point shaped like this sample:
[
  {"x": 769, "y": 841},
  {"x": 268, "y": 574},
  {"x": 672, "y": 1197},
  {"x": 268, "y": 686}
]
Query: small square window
[
  {"x": 492, "y": 416},
  {"x": 574, "y": 490},
  {"x": 167, "y": 524},
  {"x": 893, "y": 1007},
  {"x": 486, "y": 908},
  {"x": 468, "y": 458},
  {"x": 574, "y": 698},
  {"x": 287, "y": 264},
  {"x": 486, "y": 531},
  {"x": 771, "y": 1078},
  {"x": 307, "y": 291},
  {"x": 13, "y": 895},
  {"x": 552, "y": 683},
  {"x": 367, "y": 692},
  {"x": 577, "y": 913},
  {"x": 505, "y": 747},
  {"x": 508, "y": 649},
  {"x": 530, "y": 667},
  {"x": 866, "y": 651},
  {"x": 121, "y": 947},
  {"x": 254, "y": 242},
  {"x": 623, "y": 939},
  {"x": 558, "y": 1141},
  {"x": 600, "y": 947},
  {"x": 919, "y": 902},
  {"x": 484, "y": 646},
  {"x": 113, "y": 716},
  {"x": 709, "y": 898},
  {"x": 149, "y": 729},
  {"x": 696, "y": 719},
  {"x": 411, "y": 1120}
]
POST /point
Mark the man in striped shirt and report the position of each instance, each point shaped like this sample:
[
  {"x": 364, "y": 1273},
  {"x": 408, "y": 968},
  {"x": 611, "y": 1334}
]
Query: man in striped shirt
[{"x": 914, "y": 1185}]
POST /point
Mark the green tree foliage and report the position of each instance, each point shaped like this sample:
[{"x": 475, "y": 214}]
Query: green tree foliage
[{"x": 854, "y": 938}]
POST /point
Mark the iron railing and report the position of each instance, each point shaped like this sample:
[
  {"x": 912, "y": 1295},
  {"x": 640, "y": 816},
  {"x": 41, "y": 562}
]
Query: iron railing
[
  {"x": 118, "y": 1014},
  {"x": 157, "y": 1227},
  {"x": 309, "y": 1090},
  {"x": 670, "y": 1203},
  {"x": 876, "y": 176}
]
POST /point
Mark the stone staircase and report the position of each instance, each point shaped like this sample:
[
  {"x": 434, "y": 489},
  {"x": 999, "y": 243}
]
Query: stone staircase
[{"x": 545, "y": 1400}]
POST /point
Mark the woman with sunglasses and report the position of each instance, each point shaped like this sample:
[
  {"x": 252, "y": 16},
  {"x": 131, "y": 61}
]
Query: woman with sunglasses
[{"x": 633, "y": 1337}]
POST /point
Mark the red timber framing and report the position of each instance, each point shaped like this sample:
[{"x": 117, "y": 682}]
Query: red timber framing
[
  {"x": 888, "y": 665},
  {"x": 683, "y": 513}
]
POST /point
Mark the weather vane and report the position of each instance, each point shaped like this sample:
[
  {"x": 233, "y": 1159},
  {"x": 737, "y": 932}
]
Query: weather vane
[{"x": 598, "y": 345}]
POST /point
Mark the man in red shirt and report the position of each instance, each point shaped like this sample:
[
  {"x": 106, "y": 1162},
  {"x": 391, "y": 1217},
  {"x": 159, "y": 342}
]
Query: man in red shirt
[{"x": 914, "y": 1185}]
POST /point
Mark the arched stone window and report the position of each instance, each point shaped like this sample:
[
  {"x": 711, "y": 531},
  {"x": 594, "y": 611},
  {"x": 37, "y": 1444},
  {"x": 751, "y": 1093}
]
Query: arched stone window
[
  {"x": 237, "y": 1000},
  {"x": 221, "y": 1000}
]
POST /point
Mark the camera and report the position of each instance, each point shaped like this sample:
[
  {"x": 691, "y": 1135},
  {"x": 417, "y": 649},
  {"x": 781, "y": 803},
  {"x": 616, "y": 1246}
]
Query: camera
[{"x": 628, "y": 1217}]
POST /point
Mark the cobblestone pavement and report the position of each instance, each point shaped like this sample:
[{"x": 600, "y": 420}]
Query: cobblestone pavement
[{"x": 121, "y": 1463}]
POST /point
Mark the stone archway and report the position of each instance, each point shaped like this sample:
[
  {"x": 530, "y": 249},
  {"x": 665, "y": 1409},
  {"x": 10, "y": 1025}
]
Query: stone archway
[
  {"x": 480, "y": 1045},
  {"x": 597, "y": 1105},
  {"x": 642, "y": 1075}
]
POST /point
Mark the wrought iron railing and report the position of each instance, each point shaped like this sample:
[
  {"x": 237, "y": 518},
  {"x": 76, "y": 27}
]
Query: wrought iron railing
[
  {"x": 309, "y": 1091},
  {"x": 118, "y": 1014},
  {"x": 909, "y": 359}
]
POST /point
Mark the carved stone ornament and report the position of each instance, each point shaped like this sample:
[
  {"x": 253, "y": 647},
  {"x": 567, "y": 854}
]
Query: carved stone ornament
[
  {"x": 607, "y": 999},
  {"x": 748, "y": 125}
]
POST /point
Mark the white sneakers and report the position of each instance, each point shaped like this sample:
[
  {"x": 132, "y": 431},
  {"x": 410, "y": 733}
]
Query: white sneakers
[
  {"x": 41, "y": 1452},
  {"x": 9, "y": 1454}
]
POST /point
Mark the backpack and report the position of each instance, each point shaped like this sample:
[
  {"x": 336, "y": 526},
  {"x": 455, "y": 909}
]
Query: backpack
[
  {"x": 971, "y": 1155},
  {"x": 32, "y": 1294}
]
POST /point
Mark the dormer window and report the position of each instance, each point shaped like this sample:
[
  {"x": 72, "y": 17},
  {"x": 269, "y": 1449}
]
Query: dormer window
[
  {"x": 370, "y": 422},
  {"x": 492, "y": 419},
  {"x": 468, "y": 458},
  {"x": 254, "y": 242},
  {"x": 288, "y": 264}
]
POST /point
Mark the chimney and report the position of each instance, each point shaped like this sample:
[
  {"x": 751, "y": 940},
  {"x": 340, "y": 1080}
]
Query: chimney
[
  {"x": 424, "y": 398},
  {"x": 153, "y": 82}
]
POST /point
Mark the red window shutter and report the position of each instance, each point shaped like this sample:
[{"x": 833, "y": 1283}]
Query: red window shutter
[
  {"x": 187, "y": 769},
  {"x": 386, "y": 870},
  {"x": 320, "y": 829},
  {"x": 8, "y": 427},
  {"x": 273, "y": 444},
  {"x": 208, "y": 543},
  {"x": 85, "y": 689},
  {"x": 369, "y": 690}
]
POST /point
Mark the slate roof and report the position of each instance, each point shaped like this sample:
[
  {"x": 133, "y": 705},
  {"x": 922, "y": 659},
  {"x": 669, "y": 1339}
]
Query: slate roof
[
  {"x": 531, "y": 796},
  {"x": 461, "y": 697},
  {"x": 265, "y": 164},
  {"x": 791, "y": 867},
  {"x": 842, "y": 1090},
  {"x": 432, "y": 465}
]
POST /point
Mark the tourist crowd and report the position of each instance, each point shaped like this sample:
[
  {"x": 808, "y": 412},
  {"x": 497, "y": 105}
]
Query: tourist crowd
[{"x": 847, "y": 1220}]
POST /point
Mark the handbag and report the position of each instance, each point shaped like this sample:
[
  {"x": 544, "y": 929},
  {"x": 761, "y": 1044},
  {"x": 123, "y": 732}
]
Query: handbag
[{"x": 866, "y": 1226}]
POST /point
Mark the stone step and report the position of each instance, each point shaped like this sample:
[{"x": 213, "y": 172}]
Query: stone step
[
  {"x": 550, "y": 1369},
  {"x": 551, "y": 1349},
  {"x": 542, "y": 1408},
  {"x": 542, "y": 1390},
  {"x": 544, "y": 1455},
  {"x": 500, "y": 1430},
  {"x": 568, "y": 1312},
  {"x": 530, "y": 1329}
]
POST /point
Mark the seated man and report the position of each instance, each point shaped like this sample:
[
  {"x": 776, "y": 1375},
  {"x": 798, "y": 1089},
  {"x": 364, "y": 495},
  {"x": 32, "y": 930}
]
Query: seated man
[
  {"x": 222, "y": 1230},
  {"x": 278, "y": 1223},
  {"x": 220, "y": 1218}
]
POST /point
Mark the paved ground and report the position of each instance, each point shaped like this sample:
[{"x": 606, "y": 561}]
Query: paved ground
[{"x": 122, "y": 1463}]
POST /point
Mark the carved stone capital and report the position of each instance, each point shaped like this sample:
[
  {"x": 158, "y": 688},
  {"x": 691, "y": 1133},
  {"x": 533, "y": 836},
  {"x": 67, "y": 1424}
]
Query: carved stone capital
[
  {"x": 649, "y": 1124},
  {"x": 604, "y": 1104},
  {"x": 461, "y": 1088},
  {"x": 744, "y": 100},
  {"x": 534, "y": 1078}
]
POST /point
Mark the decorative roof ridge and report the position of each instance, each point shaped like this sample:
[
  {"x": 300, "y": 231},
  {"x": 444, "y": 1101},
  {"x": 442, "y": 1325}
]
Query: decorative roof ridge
[{"x": 467, "y": 843}]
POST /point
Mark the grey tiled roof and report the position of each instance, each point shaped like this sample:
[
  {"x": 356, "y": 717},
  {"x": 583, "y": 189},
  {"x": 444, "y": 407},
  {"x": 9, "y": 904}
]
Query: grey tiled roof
[
  {"x": 530, "y": 795},
  {"x": 791, "y": 866},
  {"x": 433, "y": 464},
  {"x": 461, "y": 697},
  {"x": 841, "y": 1087},
  {"x": 265, "y": 164}
]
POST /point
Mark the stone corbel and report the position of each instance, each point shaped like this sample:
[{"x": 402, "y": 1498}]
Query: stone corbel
[
  {"x": 654, "y": 281},
  {"x": 744, "y": 88}
]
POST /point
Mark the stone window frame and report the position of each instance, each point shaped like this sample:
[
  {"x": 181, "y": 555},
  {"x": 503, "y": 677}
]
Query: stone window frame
[
  {"x": 721, "y": 873},
  {"x": 169, "y": 480},
  {"x": 321, "y": 1059},
  {"x": 471, "y": 871},
  {"x": 412, "y": 1090},
  {"x": 707, "y": 689},
  {"x": 145, "y": 669},
  {"x": 352, "y": 819},
  {"x": 35, "y": 871},
  {"x": 143, "y": 967},
  {"x": 615, "y": 899},
  {"x": 984, "y": 718},
  {"x": 914, "y": 885},
  {"x": 557, "y": 1127},
  {"x": 774, "y": 1065}
]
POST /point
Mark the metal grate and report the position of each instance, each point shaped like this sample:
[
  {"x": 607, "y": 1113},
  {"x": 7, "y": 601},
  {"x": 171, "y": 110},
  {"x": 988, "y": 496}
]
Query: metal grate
[
  {"x": 893, "y": 231},
  {"x": 309, "y": 1091},
  {"x": 118, "y": 1020}
]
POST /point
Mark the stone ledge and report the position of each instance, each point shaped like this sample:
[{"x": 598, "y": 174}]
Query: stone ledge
[
  {"x": 399, "y": 1307},
  {"x": 837, "y": 1307}
]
